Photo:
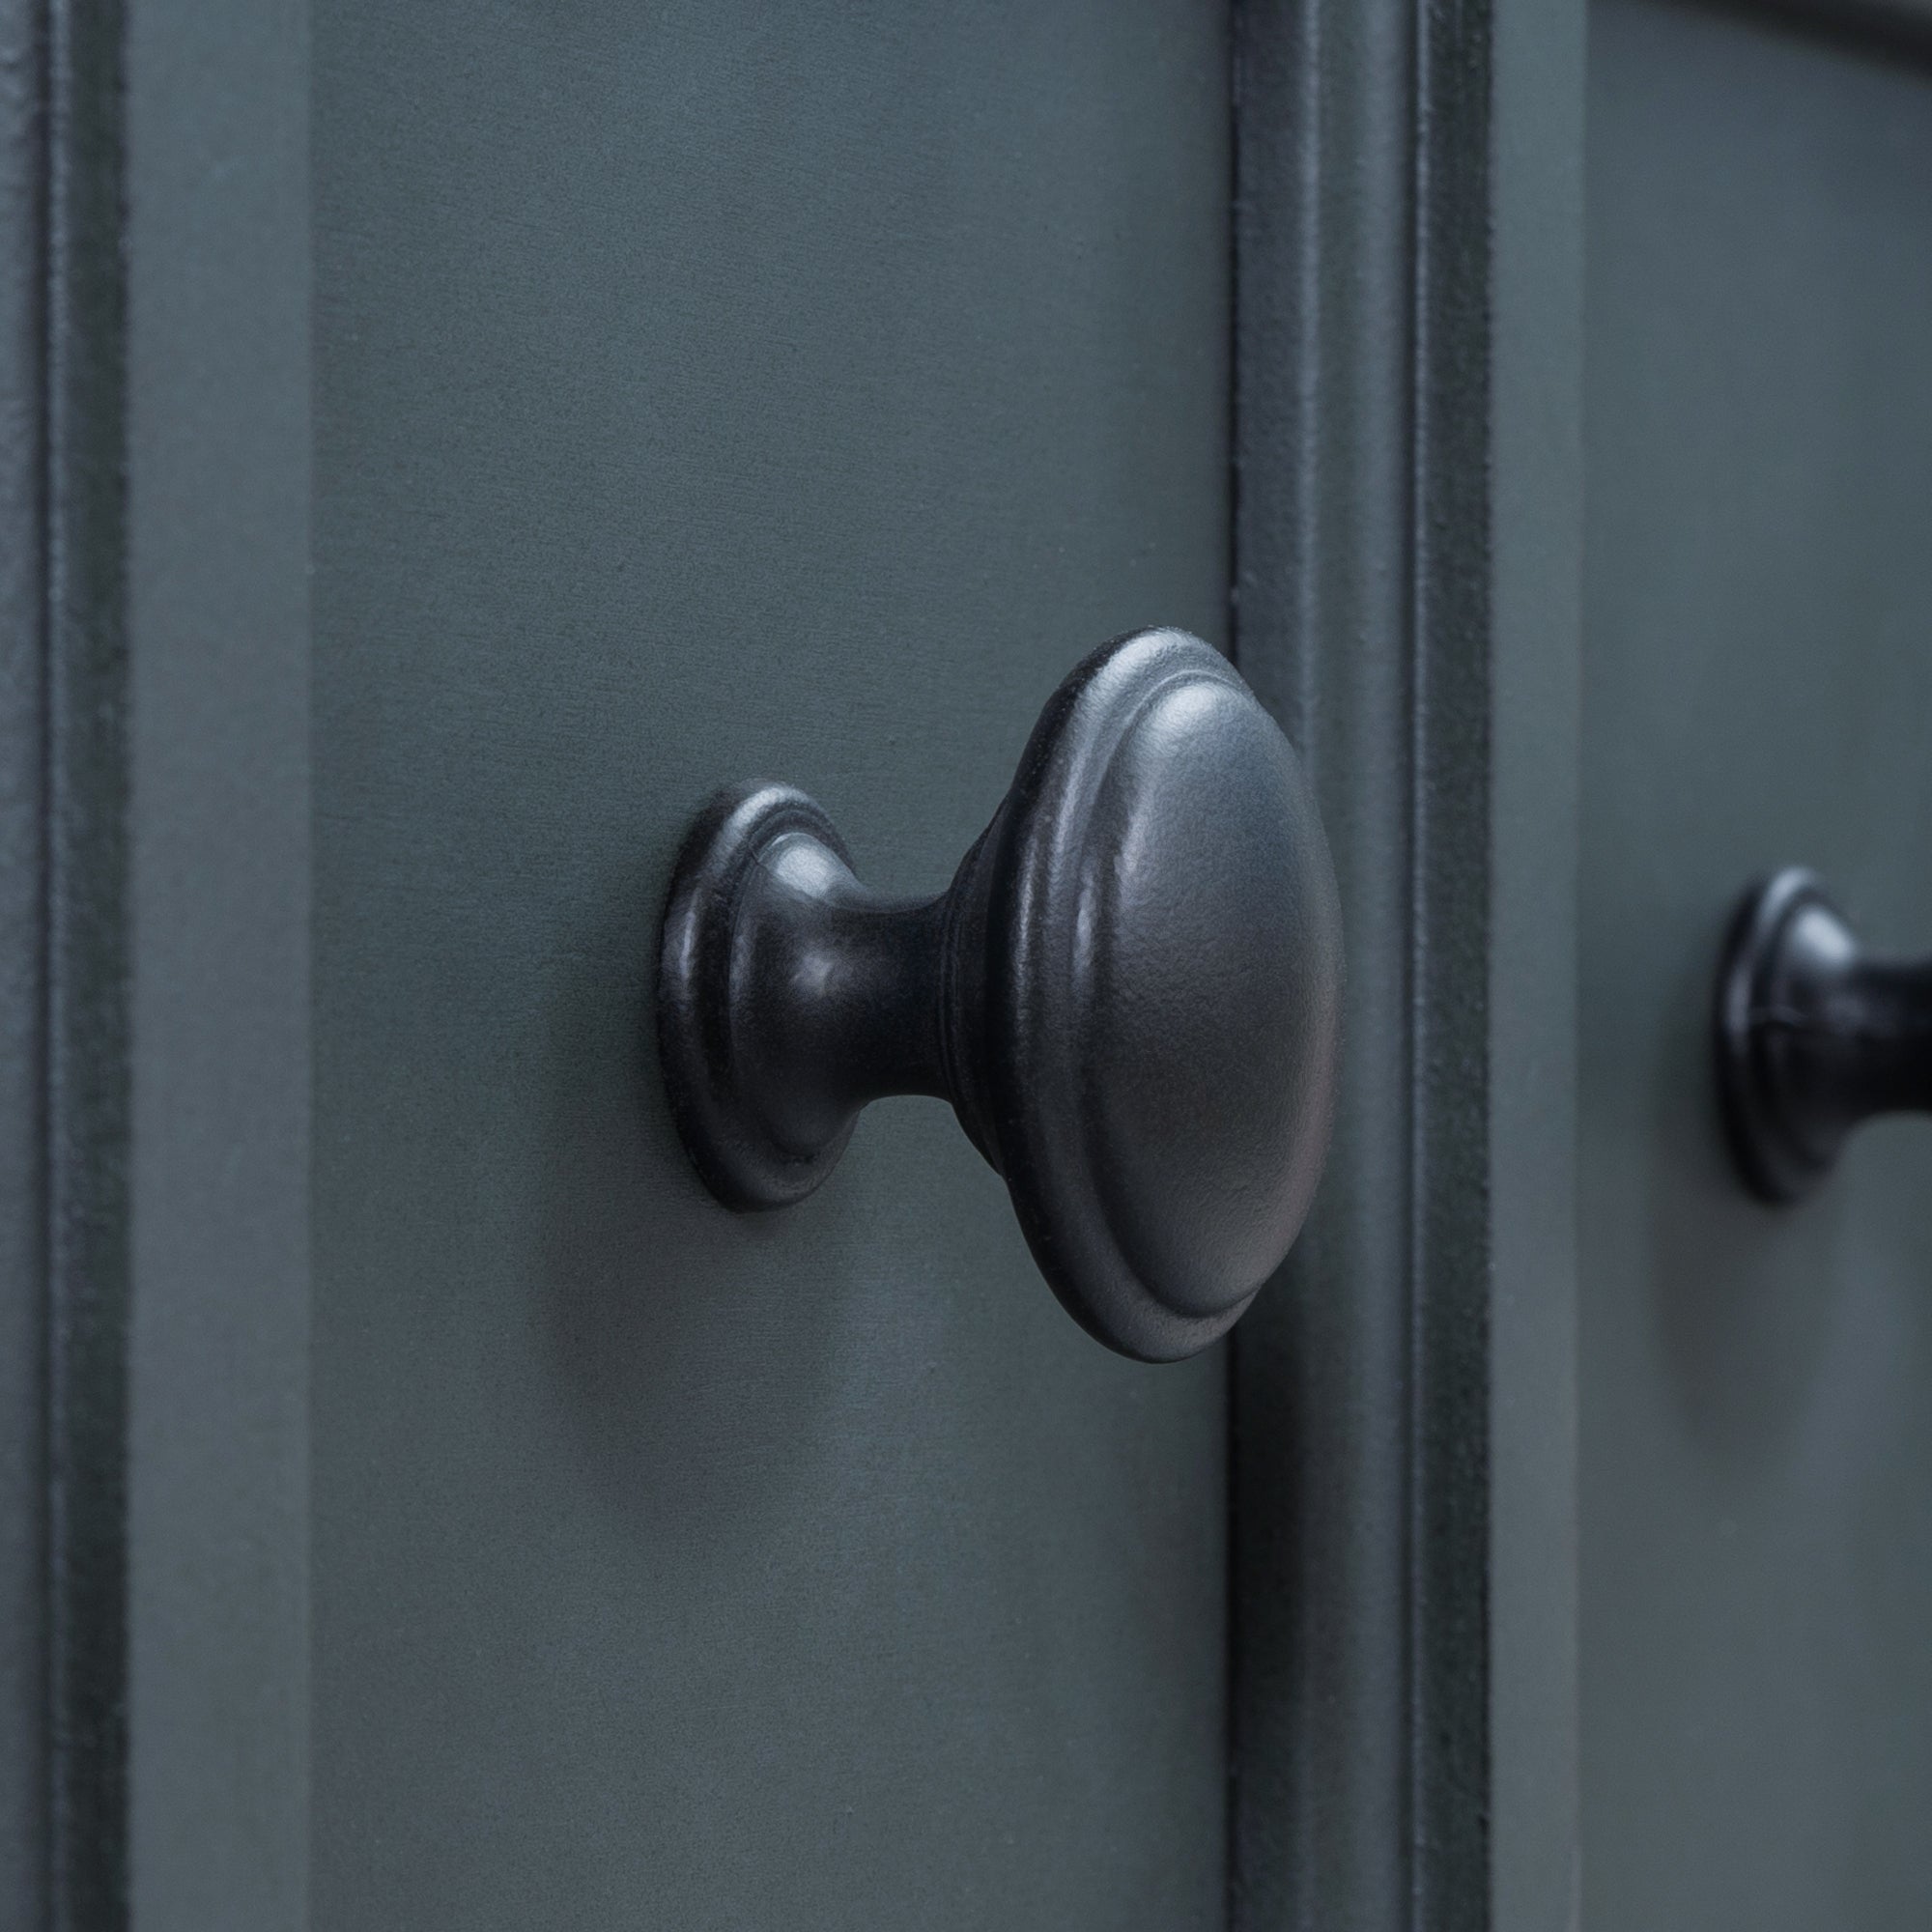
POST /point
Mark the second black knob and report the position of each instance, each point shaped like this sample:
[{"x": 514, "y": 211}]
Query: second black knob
[{"x": 1814, "y": 1034}]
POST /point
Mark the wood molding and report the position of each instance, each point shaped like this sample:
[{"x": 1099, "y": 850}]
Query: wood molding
[{"x": 1408, "y": 561}]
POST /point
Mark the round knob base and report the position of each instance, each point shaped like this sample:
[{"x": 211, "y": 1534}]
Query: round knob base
[{"x": 713, "y": 1079}]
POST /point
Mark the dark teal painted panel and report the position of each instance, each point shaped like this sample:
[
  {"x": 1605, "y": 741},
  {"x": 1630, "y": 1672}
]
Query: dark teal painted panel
[
  {"x": 1756, "y": 1435},
  {"x": 703, "y": 393},
  {"x": 217, "y": 1044},
  {"x": 25, "y": 1755}
]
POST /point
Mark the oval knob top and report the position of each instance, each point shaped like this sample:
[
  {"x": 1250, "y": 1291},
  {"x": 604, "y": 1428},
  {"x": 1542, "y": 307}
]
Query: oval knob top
[{"x": 1131, "y": 994}]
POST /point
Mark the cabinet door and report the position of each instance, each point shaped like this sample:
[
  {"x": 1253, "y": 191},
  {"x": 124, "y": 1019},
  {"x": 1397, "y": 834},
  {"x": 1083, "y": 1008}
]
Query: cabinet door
[
  {"x": 707, "y": 394},
  {"x": 453, "y": 442},
  {"x": 1756, "y": 1497}
]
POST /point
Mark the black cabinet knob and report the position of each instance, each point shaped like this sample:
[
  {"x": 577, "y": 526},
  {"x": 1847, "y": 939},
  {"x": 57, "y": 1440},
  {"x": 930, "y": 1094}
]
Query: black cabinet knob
[
  {"x": 1130, "y": 995},
  {"x": 1814, "y": 1034}
]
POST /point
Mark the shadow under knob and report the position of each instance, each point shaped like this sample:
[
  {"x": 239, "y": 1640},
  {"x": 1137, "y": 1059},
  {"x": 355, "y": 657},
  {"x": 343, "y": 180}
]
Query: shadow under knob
[
  {"x": 1814, "y": 1034},
  {"x": 1131, "y": 994}
]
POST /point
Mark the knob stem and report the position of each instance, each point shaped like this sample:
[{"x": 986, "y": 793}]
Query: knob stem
[{"x": 837, "y": 993}]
